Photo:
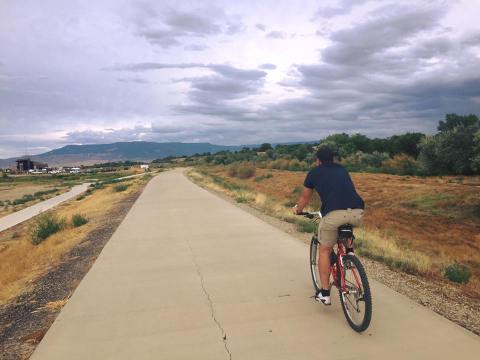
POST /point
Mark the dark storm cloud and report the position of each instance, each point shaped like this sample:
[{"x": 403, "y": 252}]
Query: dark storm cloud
[
  {"x": 357, "y": 45},
  {"x": 212, "y": 94},
  {"x": 389, "y": 73},
  {"x": 170, "y": 27}
]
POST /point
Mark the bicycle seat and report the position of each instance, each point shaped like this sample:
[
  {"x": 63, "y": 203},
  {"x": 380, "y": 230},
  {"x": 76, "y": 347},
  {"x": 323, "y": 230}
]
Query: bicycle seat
[{"x": 345, "y": 231}]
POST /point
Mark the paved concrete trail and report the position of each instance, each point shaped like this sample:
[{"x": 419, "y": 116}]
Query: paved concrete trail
[
  {"x": 31, "y": 211},
  {"x": 190, "y": 276}
]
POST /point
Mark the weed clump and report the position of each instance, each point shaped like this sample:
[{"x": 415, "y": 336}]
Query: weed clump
[
  {"x": 46, "y": 225},
  {"x": 79, "y": 220},
  {"x": 244, "y": 197},
  {"x": 457, "y": 273},
  {"x": 263, "y": 177},
  {"x": 119, "y": 188},
  {"x": 242, "y": 171}
]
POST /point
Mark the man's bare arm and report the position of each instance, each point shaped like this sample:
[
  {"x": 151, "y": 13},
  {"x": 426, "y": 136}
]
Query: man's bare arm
[{"x": 303, "y": 200}]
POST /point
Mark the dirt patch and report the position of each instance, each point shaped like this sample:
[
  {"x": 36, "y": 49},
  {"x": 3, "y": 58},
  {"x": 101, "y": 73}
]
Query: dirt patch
[{"x": 25, "y": 320}]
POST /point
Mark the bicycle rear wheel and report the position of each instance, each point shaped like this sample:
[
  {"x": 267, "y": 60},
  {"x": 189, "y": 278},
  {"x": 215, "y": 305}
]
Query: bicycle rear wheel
[
  {"x": 314, "y": 263},
  {"x": 357, "y": 299}
]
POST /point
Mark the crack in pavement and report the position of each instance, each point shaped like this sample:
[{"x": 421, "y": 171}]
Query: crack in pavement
[{"x": 210, "y": 303}]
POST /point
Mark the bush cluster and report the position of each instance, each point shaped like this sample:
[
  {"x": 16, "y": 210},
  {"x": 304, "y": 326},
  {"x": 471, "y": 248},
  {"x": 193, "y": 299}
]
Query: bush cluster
[
  {"x": 47, "y": 224},
  {"x": 79, "y": 220},
  {"x": 121, "y": 187},
  {"x": 288, "y": 164},
  {"x": 242, "y": 171},
  {"x": 453, "y": 150},
  {"x": 29, "y": 197},
  {"x": 458, "y": 273}
]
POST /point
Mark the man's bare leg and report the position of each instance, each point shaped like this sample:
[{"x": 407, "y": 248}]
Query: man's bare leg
[{"x": 324, "y": 265}]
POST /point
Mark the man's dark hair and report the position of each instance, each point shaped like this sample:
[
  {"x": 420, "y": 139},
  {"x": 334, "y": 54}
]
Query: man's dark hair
[{"x": 325, "y": 154}]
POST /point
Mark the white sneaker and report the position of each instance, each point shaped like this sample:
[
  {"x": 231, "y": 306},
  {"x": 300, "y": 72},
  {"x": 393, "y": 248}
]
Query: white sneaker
[{"x": 325, "y": 300}]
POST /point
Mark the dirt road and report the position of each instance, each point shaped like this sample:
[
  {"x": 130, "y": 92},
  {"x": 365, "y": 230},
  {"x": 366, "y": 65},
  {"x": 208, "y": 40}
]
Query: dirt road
[{"x": 190, "y": 276}]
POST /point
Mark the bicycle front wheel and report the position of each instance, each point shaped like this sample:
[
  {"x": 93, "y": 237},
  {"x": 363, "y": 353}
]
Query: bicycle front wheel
[
  {"x": 356, "y": 298},
  {"x": 314, "y": 263}
]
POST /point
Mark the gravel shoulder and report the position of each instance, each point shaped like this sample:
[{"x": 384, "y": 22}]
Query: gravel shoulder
[
  {"x": 439, "y": 296},
  {"x": 25, "y": 320}
]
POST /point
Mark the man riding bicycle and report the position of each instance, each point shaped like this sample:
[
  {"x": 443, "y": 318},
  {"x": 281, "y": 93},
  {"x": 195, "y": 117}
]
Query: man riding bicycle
[{"x": 340, "y": 205}]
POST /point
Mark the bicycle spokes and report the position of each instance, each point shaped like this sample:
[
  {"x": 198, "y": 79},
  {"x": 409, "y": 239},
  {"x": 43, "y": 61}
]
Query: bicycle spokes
[{"x": 355, "y": 294}]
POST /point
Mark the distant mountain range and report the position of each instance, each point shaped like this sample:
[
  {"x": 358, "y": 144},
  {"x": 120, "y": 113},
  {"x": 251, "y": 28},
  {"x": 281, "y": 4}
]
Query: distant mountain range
[{"x": 72, "y": 155}]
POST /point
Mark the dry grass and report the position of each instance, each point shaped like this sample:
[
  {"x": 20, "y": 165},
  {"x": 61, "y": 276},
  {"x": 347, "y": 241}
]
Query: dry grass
[
  {"x": 417, "y": 225},
  {"x": 374, "y": 245},
  {"x": 11, "y": 192},
  {"x": 21, "y": 261},
  {"x": 53, "y": 305}
]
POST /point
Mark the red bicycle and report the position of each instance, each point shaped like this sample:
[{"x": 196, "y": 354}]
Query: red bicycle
[{"x": 347, "y": 275}]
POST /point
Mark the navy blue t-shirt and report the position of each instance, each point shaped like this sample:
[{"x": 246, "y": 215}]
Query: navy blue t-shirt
[{"x": 335, "y": 187}]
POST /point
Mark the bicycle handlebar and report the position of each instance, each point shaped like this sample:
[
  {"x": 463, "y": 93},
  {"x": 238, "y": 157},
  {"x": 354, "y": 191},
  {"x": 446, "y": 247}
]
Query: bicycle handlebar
[{"x": 310, "y": 215}]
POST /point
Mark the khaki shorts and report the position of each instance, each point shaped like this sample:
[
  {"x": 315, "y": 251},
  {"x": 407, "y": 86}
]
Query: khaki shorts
[{"x": 328, "y": 227}]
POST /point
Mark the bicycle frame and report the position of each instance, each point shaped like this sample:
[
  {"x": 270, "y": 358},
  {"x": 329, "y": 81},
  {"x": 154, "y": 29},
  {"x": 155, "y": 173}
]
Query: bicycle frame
[
  {"x": 354, "y": 289},
  {"x": 333, "y": 269}
]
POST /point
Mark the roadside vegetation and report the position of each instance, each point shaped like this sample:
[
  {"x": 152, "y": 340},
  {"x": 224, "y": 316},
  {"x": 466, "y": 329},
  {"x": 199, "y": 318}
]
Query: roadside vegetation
[
  {"x": 20, "y": 191},
  {"x": 31, "y": 248},
  {"x": 79, "y": 220},
  {"x": 46, "y": 224},
  {"x": 453, "y": 150}
]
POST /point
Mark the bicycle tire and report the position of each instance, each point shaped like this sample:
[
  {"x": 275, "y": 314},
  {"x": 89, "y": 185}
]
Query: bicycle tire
[
  {"x": 367, "y": 296},
  {"x": 314, "y": 263}
]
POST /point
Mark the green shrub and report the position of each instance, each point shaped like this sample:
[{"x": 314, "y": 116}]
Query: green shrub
[
  {"x": 47, "y": 224},
  {"x": 39, "y": 194},
  {"x": 24, "y": 199},
  {"x": 119, "y": 188},
  {"x": 81, "y": 197},
  {"x": 79, "y": 220},
  {"x": 457, "y": 273},
  {"x": 97, "y": 185},
  {"x": 5, "y": 178}
]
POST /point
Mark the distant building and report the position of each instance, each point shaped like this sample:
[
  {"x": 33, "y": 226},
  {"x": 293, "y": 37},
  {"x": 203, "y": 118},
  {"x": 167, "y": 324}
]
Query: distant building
[
  {"x": 145, "y": 167},
  {"x": 27, "y": 164}
]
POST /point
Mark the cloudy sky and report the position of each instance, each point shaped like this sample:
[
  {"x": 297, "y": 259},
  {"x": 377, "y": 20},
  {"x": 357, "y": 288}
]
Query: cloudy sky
[{"x": 231, "y": 72}]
